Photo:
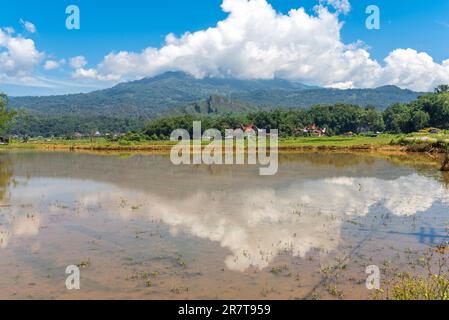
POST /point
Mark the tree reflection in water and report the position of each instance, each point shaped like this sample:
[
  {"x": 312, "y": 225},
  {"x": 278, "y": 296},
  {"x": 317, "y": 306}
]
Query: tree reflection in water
[{"x": 6, "y": 174}]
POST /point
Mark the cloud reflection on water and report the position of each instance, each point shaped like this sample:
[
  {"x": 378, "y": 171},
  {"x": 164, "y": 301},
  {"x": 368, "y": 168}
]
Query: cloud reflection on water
[
  {"x": 258, "y": 224},
  {"x": 255, "y": 224}
]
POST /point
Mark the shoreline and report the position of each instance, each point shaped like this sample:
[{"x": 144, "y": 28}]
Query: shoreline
[
  {"x": 165, "y": 148},
  {"x": 384, "y": 144}
]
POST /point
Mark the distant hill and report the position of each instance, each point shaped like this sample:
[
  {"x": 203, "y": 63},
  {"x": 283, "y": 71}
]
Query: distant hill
[
  {"x": 152, "y": 97},
  {"x": 214, "y": 105},
  {"x": 381, "y": 97}
]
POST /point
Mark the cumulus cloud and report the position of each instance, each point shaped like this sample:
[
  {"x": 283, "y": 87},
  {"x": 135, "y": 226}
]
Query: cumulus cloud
[
  {"x": 255, "y": 41},
  {"x": 342, "y": 6},
  {"x": 19, "y": 58},
  {"x": 28, "y": 26},
  {"x": 78, "y": 62},
  {"x": 252, "y": 42},
  {"x": 52, "y": 64},
  {"x": 416, "y": 70},
  {"x": 18, "y": 55},
  {"x": 91, "y": 73}
]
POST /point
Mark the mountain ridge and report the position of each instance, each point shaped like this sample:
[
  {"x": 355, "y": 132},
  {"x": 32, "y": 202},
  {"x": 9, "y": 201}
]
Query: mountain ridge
[{"x": 152, "y": 97}]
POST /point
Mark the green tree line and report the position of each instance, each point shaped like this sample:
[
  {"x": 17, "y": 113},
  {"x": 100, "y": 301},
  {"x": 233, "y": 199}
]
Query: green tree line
[
  {"x": 430, "y": 110},
  {"x": 6, "y": 116},
  {"x": 25, "y": 124}
]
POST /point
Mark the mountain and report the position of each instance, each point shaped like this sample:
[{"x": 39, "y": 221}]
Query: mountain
[
  {"x": 214, "y": 105},
  {"x": 151, "y": 97},
  {"x": 381, "y": 97}
]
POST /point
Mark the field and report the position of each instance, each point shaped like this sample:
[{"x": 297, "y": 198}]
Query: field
[{"x": 387, "y": 142}]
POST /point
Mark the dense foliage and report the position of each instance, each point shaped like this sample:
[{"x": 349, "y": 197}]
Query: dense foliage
[
  {"x": 67, "y": 126},
  {"x": 430, "y": 110},
  {"x": 338, "y": 119},
  {"x": 5, "y": 115}
]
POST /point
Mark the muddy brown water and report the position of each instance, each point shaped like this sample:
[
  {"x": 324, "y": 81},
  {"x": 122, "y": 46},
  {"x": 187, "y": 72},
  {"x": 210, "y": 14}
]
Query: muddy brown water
[{"x": 142, "y": 228}]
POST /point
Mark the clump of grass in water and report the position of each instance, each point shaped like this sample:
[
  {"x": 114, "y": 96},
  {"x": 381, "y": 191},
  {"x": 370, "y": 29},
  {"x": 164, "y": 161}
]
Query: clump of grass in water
[
  {"x": 179, "y": 290},
  {"x": 278, "y": 270},
  {"x": 315, "y": 296},
  {"x": 181, "y": 262},
  {"x": 267, "y": 291},
  {"x": 435, "y": 287},
  {"x": 428, "y": 281},
  {"x": 333, "y": 290},
  {"x": 84, "y": 264}
]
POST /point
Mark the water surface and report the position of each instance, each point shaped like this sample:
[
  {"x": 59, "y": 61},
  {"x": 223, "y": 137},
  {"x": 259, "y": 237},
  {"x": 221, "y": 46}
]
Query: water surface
[{"x": 142, "y": 228}]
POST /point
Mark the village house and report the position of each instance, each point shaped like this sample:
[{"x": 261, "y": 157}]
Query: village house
[{"x": 312, "y": 130}]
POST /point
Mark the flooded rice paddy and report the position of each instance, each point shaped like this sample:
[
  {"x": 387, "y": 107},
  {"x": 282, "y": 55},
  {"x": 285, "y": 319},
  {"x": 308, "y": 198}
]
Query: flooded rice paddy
[{"x": 141, "y": 228}]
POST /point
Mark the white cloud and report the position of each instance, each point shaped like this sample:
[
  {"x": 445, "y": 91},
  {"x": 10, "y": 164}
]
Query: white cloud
[
  {"x": 255, "y": 41},
  {"x": 252, "y": 42},
  {"x": 18, "y": 56},
  {"x": 85, "y": 73},
  {"x": 342, "y": 85},
  {"x": 342, "y": 6},
  {"x": 415, "y": 70},
  {"x": 78, "y": 62},
  {"x": 30, "y": 27},
  {"x": 52, "y": 64},
  {"x": 93, "y": 74}
]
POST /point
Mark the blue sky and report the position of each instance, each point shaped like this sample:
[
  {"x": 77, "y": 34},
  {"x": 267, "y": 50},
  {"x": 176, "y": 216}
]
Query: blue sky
[{"x": 134, "y": 25}]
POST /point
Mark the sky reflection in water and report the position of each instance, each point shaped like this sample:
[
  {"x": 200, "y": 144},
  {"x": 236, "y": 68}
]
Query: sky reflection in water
[{"x": 255, "y": 218}]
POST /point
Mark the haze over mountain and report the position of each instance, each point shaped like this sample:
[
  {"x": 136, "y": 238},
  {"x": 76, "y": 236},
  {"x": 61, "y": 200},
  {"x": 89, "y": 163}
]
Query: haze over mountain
[{"x": 151, "y": 97}]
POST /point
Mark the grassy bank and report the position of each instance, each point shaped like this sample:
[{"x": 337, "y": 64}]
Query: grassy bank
[
  {"x": 386, "y": 142},
  {"x": 89, "y": 144},
  {"x": 419, "y": 142},
  {"x": 337, "y": 142}
]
